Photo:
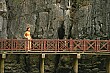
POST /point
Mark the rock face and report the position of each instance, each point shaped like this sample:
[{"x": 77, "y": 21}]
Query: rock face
[
  {"x": 3, "y": 19},
  {"x": 81, "y": 18}
]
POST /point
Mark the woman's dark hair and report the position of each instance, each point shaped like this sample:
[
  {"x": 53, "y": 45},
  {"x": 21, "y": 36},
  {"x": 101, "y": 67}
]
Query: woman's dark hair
[
  {"x": 58, "y": 1},
  {"x": 27, "y": 28}
]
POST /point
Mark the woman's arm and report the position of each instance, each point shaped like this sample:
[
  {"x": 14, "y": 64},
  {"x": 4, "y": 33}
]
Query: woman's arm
[{"x": 25, "y": 34}]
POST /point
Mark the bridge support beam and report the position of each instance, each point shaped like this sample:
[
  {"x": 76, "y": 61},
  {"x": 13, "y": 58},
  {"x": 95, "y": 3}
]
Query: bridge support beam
[
  {"x": 42, "y": 64},
  {"x": 2, "y": 58},
  {"x": 75, "y": 62},
  {"x": 108, "y": 64}
]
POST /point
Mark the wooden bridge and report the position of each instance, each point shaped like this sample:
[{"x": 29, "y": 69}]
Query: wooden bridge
[{"x": 54, "y": 46}]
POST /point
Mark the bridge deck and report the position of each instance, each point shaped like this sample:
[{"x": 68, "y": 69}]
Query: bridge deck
[
  {"x": 83, "y": 53},
  {"x": 54, "y": 46}
]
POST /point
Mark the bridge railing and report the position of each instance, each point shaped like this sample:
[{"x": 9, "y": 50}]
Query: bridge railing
[{"x": 55, "y": 45}]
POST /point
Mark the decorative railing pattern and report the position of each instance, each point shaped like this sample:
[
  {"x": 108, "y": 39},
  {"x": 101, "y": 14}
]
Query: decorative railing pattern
[{"x": 55, "y": 45}]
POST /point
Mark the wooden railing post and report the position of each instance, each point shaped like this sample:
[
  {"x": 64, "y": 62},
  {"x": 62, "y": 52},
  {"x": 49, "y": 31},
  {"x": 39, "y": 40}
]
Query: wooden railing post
[
  {"x": 44, "y": 45},
  {"x": 30, "y": 44},
  {"x": 12, "y": 45},
  {"x": 84, "y": 45},
  {"x": 58, "y": 44},
  {"x": 98, "y": 45},
  {"x": 56, "y": 47},
  {"x": 95, "y": 45},
  {"x": 71, "y": 44},
  {"x": 108, "y": 46}
]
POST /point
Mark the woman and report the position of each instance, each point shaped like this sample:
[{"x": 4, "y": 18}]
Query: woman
[{"x": 28, "y": 36}]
